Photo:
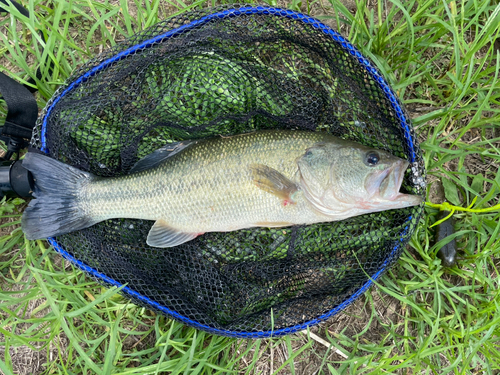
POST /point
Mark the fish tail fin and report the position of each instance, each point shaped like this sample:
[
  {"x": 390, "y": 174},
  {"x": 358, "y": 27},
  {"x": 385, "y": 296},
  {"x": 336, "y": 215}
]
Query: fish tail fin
[{"x": 57, "y": 209}]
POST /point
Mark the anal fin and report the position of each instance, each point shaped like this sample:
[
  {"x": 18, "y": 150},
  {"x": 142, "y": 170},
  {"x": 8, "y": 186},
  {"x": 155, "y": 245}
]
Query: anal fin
[
  {"x": 272, "y": 224},
  {"x": 162, "y": 235}
]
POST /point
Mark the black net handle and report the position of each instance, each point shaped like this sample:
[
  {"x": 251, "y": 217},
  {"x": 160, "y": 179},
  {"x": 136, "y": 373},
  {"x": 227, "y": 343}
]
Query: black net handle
[
  {"x": 18, "y": 6},
  {"x": 22, "y": 110}
]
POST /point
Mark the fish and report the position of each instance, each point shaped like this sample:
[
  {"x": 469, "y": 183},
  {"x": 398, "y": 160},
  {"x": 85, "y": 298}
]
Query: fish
[{"x": 267, "y": 178}]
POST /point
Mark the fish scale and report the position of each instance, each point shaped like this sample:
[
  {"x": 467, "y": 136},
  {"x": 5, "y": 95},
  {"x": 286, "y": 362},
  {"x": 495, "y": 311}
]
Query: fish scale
[{"x": 208, "y": 186}]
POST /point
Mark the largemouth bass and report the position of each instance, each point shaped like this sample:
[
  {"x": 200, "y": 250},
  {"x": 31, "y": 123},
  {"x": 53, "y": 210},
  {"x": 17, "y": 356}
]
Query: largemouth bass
[{"x": 272, "y": 178}]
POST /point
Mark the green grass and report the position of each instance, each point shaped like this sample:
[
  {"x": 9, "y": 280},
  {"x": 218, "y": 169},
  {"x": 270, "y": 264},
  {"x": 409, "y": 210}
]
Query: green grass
[{"x": 441, "y": 59}]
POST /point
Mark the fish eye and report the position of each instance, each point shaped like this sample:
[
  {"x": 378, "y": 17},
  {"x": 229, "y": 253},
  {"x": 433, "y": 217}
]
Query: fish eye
[
  {"x": 308, "y": 153},
  {"x": 372, "y": 158}
]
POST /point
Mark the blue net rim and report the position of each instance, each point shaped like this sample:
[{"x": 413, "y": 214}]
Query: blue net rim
[{"x": 244, "y": 10}]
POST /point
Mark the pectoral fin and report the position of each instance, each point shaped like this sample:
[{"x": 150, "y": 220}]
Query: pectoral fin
[
  {"x": 162, "y": 235},
  {"x": 272, "y": 181}
]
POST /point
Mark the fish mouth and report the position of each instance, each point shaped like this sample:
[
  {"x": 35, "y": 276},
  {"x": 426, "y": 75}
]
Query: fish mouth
[{"x": 391, "y": 183}]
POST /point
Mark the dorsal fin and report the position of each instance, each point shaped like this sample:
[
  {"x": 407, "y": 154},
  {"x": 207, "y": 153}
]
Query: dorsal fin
[{"x": 156, "y": 157}]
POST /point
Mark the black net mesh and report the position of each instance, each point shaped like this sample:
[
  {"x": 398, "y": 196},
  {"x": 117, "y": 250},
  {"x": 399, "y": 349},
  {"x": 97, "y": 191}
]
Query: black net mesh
[{"x": 226, "y": 71}]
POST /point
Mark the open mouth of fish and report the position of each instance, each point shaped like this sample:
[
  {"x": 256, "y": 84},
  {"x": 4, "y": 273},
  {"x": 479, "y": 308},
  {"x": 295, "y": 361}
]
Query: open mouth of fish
[{"x": 392, "y": 178}]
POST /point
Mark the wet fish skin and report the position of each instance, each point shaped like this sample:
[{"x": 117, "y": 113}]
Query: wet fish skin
[{"x": 267, "y": 178}]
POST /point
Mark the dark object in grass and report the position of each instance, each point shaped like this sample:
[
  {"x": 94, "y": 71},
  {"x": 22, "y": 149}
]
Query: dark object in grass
[
  {"x": 448, "y": 253},
  {"x": 14, "y": 179}
]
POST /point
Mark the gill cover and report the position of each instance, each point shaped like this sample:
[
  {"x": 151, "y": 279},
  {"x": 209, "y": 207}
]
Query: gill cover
[{"x": 344, "y": 179}]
